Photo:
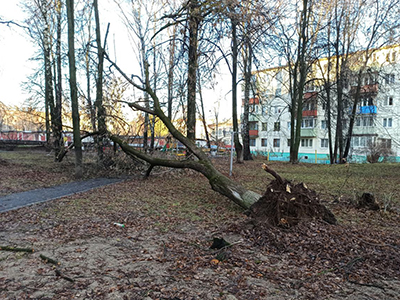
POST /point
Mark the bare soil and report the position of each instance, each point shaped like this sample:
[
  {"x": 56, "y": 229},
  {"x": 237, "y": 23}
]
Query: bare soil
[{"x": 163, "y": 250}]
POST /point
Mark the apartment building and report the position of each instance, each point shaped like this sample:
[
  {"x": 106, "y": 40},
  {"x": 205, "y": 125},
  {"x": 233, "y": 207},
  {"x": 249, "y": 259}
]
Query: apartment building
[{"x": 376, "y": 124}]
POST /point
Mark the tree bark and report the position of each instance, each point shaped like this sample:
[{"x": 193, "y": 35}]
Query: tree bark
[
  {"x": 74, "y": 90},
  {"x": 101, "y": 118},
  {"x": 194, "y": 21},
  {"x": 247, "y": 61},
  {"x": 234, "y": 46}
]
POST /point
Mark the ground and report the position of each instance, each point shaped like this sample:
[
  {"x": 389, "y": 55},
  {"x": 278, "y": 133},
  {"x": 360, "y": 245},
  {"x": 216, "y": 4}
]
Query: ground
[{"x": 170, "y": 220}]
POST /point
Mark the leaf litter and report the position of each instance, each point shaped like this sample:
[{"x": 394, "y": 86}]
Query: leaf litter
[{"x": 163, "y": 252}]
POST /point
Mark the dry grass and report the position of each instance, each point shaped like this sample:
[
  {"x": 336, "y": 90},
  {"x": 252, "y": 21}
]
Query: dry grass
[{"x": 170, "y": 220}]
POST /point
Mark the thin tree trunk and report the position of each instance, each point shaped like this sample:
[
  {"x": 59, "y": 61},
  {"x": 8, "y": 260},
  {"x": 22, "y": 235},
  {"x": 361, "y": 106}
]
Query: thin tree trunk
[
  {"x": 238, "y": 145},
  {"x": 247, "y": 61},
  {"x": 58, "y": 107},
  {"x": 101, "y": 115},
  {"x": 203, "y": 114},
  {"x": 74, "y": 91},
  {"x": 171, "y": 72},
  {"x": 192, "y": 68}
]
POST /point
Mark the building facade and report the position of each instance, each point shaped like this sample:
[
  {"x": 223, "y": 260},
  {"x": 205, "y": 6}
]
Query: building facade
[{"x": 376, "y": 119}]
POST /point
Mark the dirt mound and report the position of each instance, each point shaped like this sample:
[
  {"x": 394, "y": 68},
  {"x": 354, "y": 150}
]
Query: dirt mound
[{"x": 285, "y": 204}]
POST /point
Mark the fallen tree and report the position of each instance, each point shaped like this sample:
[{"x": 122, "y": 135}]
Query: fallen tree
[{"x": 200, "y": 161}]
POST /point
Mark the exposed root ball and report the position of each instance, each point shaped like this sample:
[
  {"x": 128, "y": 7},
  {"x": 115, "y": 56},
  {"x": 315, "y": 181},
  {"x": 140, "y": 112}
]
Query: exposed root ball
[{"x": 285, "y": 204}]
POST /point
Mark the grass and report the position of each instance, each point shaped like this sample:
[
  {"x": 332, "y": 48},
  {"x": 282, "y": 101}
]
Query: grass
[{"x": 176, "y": 214}]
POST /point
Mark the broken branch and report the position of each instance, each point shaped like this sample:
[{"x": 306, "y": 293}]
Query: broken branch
[
  {"x": 16, "y": 249},
  {"x": 273, "y": 173}
]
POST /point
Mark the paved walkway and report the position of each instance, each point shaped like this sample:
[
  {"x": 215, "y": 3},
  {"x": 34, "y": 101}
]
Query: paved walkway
[{"x": 18, "y": 200}]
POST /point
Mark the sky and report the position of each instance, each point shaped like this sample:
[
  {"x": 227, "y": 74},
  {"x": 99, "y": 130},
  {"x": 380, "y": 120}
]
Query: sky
[{"x": 17, "y": 49}]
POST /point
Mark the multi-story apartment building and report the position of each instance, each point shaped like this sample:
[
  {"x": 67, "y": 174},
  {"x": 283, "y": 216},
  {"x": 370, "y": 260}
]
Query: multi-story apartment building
[{"x": 377, "y": 119}]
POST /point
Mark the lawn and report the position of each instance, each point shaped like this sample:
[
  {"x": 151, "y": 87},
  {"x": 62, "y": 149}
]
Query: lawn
[{"x": 170, "y": 220}]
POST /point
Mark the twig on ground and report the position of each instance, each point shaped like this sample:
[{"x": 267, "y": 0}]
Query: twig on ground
[
  {"x": 49, "y": 260},
  {"x": 16, "y": 249}
]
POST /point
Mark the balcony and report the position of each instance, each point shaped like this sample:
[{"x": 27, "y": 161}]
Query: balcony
[
  {"x": 310, "y": 113},
  {"x": 370, "y": 109},
  {"x": 308, "y": 132},
  {"x": 253, "y": 133},
  {"x": 366, "y": 89},
  {"x": 252, "y": 118},
  {"x": 364, "y": 130}
]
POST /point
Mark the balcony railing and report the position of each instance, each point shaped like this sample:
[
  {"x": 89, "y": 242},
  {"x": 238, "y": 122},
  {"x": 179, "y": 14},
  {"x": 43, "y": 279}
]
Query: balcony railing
[
  {"x": 308, "y": 132},
  {"x": 310, "y": 113},
  {"x": 253, "y": 133},
  {"x": 365, "y": 89},
  {"x": 371, "y": 109}
]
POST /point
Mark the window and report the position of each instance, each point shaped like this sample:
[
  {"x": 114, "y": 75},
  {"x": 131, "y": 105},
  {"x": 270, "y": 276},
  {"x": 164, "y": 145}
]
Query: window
[
  {"x": 389, "y": 78},
  {"x": 253, "y": 125},
  {"x": 264, "y": 143},
  {"x": 252, "y": 142},
  {"x": 307, "y": 123},
  {"x": 390, "y": 101},
  {"x": 306, "y": 143},
  {"x": 386, "y": 143},
  {"x": 387, "y": 122},
  {"x": 358, "y": 121},
  {"x": 264, "y": 126},
  {"x": 324, "y": 143},
  {"x": 288, "y": 142},
  {"x": 289, "y": 124},
  {"x": 323, "y": 124},
  {"x": 368, "y": 121},
  {"x": 277, "y": 126},
  {"x": 277, "y": 143}
]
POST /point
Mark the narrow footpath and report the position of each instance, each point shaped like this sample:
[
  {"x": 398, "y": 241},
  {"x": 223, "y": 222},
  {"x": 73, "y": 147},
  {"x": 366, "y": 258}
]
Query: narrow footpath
[{"x": 18, "y": 200}]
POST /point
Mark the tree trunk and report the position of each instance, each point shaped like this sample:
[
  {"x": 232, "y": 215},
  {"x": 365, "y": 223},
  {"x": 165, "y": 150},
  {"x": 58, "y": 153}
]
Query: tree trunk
[
  {"x": 203, "y": 117},
  {"x": 74, "y": 91},
  {"x": 101, "y": 118},
  {"x": 194, "y": 21},
  {"x": 247, "y": 61},
  {"x": 171, "y": 72},
  {"x": 58, "y": 107},
  {"x": 218, "y": 182},
  {"x": 238, "y": 145}
]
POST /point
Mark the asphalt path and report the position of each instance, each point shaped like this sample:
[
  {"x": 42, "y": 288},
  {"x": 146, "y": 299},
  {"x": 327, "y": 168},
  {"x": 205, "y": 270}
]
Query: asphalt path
[{"x": 18, "y": 200}]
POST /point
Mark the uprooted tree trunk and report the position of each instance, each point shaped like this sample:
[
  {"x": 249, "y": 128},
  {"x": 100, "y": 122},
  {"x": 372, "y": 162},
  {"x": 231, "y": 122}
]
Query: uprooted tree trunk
[{"x": 219, "y": 182}]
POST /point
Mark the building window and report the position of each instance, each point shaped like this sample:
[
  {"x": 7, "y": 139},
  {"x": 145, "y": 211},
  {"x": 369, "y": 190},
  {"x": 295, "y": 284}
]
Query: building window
[
  {"x": 390, "y": 101},
  {"x": 358, "y": 122},
  {"x": 307, "y": 123},
  {"x": 387, "y": 122},
  {"x": 368, "y": 122},
  {"x": 324, "y": 143},
  {"x": 389, "y": 78},
  {"x": 289, "y": 125},
  {"x": 277, "y": 126},
  {"x": 252, "y": 142},
  {"x": 288, "y": 142},
  {"x": 264, "y": 143},
  {"x": 323, "y": 124},
  {"x": 386, "y": 143},
  {"x": 306, "y": 143},
  {"x": 253, "y": 125},
  {"x": 264, "y": 127},
  {"x": 277, "y": 143}
]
